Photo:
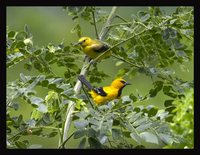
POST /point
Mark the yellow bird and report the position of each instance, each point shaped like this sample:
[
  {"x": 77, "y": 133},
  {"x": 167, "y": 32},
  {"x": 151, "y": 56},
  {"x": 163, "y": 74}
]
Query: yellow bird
[
  {"x": 93, "y": 48},
  {"x": 105, "y": 94}
]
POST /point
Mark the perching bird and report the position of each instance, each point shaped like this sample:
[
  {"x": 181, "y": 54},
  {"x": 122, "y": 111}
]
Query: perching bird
[
  {"x": 93, "y": 48},
  {"x": 105, "y": 94}
]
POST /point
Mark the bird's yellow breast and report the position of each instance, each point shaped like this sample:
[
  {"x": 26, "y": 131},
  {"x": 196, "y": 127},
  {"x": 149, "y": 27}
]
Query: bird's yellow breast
[
  {"x": 88, "y": 50},
  {"x": 112, "y": 93}
]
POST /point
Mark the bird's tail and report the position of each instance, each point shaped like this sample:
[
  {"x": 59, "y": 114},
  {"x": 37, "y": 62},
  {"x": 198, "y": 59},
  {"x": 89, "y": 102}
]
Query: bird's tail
[{"x": 85, "y": 82}]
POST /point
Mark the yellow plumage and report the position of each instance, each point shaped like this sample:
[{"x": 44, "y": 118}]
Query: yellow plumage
[
  {"x": 105, "y": 94},
  {"x": 93, "y": 48}
]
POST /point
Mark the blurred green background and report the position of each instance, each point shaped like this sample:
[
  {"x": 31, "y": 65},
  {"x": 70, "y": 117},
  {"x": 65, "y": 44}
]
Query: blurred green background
[{"x": 53, "y": 25}]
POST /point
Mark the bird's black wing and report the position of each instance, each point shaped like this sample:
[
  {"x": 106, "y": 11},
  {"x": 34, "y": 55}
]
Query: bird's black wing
[
  {"x": 100, "y": 47},
  {"x": 100, "y": 91}
]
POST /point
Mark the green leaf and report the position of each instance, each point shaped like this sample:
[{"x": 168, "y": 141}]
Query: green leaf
[
  {"x": 35, "y": 146},
  {"x": 151, "y": 110},
  {"x": 136, "y": 138},
  {"x": 27, "y": 66},
  {"x": 15, "y": 106},
  {"x": 94, "y": 144},
  {"x": 69, "y": 59},
  {"x": 42, "y": 108},
  {"x": 102, "y": 138},
  {"x": 21, "y": 36},
  {"x": 171, "y": 109},
  {"x": 36, "y": 114},
  {"x": 22, "y": 77},
  {"x": 122, "y": 71},
  {"x": 139, "y": 121},
  {"x": 158, "y": 85},
  {"x": 46, "y": 118},
  {"x": 149, "y": 137},
  {"x": 20, "y": 44},
  {"x": 77, "y": 29},
  {"x": 68, "y": 92},
  {"x": 82, "y": 114},
  {"x": 145, "y": 17},
  {"x": 27, "y": 30},
  {"x": 36, "y": 100},
  {"x": 116, "y": 134},
  {"x": 118, "y": 63},
  {"x": 57, "y": 80},
  {"x": 133, "y": 97},
  {"x": 126, "y": 100},
  {"x": 79, "y": 133},
  {"x": 126, "y": 134},
  {"x": 31, "y": 123},
  {"x": 52, "y": 134},
  {"x": 166, "y": 91},
  {"x": 17, "y": 121},
  {"x": 38, "y": 51},
  {"x": 91, "y": 132},
  {"x": 38, "y": 66},
  {"x": 143, "y": 127},
  {"x": 82, "y": 143},
  {"x": 52, "y": 86},
  {"x": 49, "y": 56},
  {"x": 81, "y": 124},
  {"x": 75, "y": 9},
  {"x": 168, "y": 103},
  {"x": 167, "y": 139},
  {"x": 153, "y": 92},
  {"x": 21, "y": 145},
  {"x": 45, "y": 83},
  {"x": 37, "y": 132},
  {"x": 169, "y": 118},
  {"x": 94, "y": 121},
  {"x": 134, "y": 116},
  {"x": 11, "y": 34}
]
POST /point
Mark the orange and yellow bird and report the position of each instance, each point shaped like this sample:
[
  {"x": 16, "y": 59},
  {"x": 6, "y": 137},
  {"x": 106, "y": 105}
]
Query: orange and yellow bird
[
  {"x": 93, "y": 48},
  {"x": 105, "y": 94}
]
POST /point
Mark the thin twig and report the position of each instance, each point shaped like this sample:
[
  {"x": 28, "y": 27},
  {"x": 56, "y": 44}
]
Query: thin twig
[
  {"x": 132, "y": 64},
  {"x": 122, "y": 18},
  {"x": 62, "y": 145},
  {"x": 113, "y": 25},
  {"x": 87, "y": 97},
  {"x": 95, "y": 27},
  {"x": 112, "y": 47}
]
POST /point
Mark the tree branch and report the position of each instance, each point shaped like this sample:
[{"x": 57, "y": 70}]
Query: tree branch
[
  {"x": 71, "y": 105},
  {"x": 106, "y": 27}
]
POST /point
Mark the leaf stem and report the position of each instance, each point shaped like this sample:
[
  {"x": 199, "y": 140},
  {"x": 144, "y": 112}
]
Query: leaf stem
[{"x": 122, "y": 18}]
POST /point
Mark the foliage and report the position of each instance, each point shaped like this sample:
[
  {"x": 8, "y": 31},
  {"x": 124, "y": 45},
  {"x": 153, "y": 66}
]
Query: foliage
[
  {"x": 150, "y": 43},
  {"x": 183, "y": 121},
  {"x": 113, "y": 124}
]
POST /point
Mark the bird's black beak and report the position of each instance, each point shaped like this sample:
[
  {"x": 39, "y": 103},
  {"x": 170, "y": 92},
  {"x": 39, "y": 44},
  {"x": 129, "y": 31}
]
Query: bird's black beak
[
  {"x": 78, "y": 43},
  {"x": 127, "y": 83}
]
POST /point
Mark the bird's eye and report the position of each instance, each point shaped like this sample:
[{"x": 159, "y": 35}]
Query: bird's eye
[
  {"x": 84, "y": 40},
  {"x": 122, "y": 81}
]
